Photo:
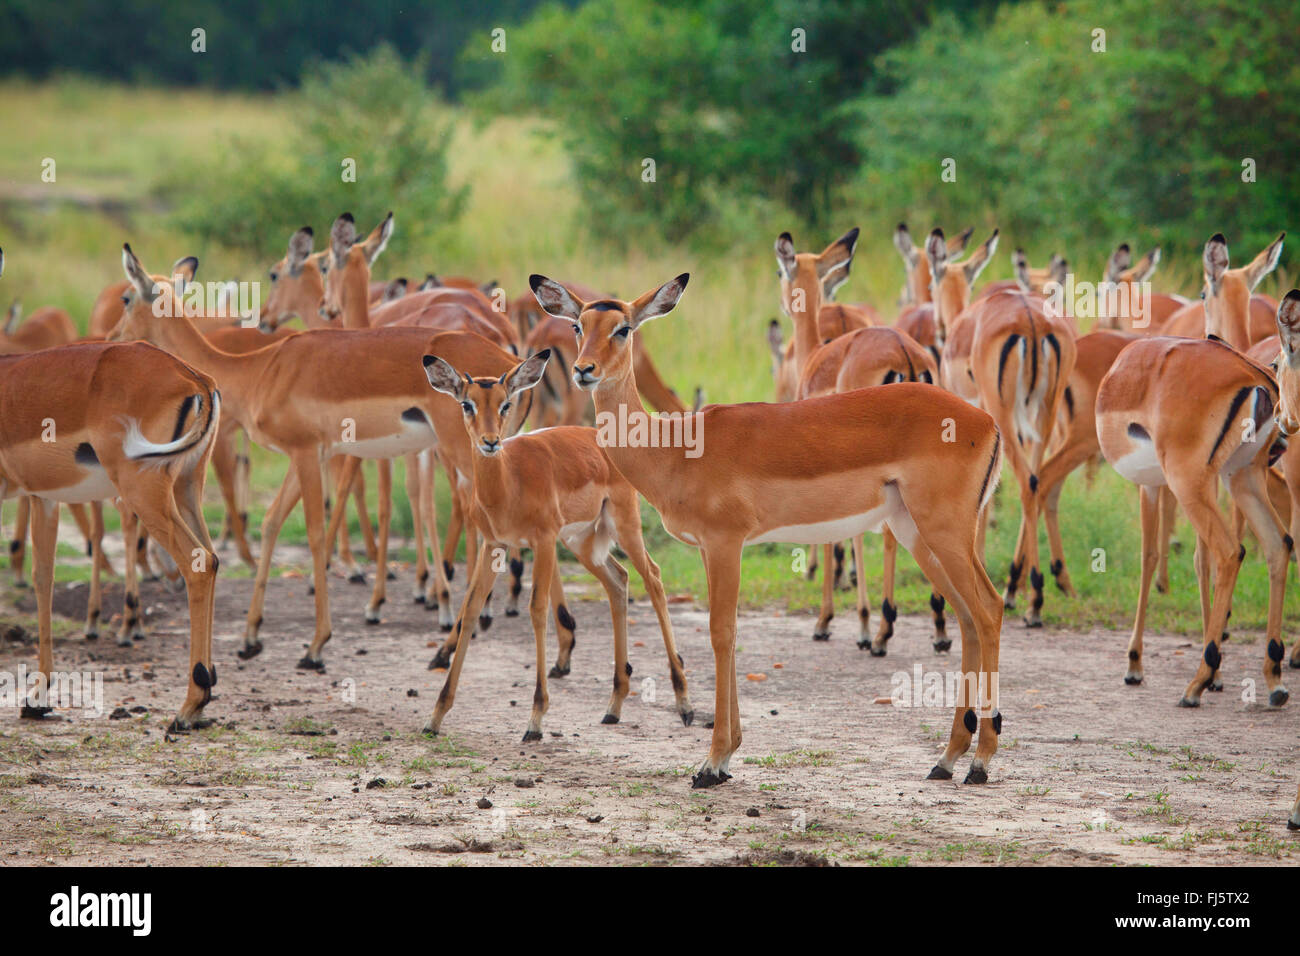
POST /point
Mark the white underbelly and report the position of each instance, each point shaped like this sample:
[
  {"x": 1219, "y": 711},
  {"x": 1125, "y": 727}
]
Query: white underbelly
[
  {"x": 95, "y": 486},
  {"x": 825, "y": 532},
  {"x": 412, "y": 438}
]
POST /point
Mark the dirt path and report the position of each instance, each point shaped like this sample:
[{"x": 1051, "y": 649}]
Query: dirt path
[{"x": 308, "y": 768}]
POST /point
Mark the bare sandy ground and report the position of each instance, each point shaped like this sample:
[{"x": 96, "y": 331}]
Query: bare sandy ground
[{"x": 304, "y": 768}]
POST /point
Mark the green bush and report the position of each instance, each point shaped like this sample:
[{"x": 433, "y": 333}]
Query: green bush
[{"x": 375, "y": 110}]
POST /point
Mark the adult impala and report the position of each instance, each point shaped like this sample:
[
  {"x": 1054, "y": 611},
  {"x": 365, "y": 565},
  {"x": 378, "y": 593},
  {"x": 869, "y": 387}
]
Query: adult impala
[
  {"x": 128, "y": 421},
  {"x": 815, "y": 471}
]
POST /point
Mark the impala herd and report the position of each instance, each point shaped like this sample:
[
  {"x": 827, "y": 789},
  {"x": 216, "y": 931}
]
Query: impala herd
[{"x": 900, "y": 429}]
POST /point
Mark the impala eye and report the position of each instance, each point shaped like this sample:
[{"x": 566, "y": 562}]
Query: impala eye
[
  {"x": 469, "y": 409},
  {"x": 622, "y": 333},
  {"x": 577, "y": 330},
  {"x": 505, "y": 408},
  {"x": 274, "y": 275}
]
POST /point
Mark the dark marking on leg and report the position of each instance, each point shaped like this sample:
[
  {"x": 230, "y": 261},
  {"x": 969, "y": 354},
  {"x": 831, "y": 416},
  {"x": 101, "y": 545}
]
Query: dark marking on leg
[
  {"x": 969, "y": 721},
  {"x": 566, "y": 619},
  {"x": 1212, "y": 656}
]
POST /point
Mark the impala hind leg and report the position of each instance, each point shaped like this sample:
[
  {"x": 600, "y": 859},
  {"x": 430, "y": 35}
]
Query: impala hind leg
[
  {"x": 613, "y": 577},
  {"x": 411, "y": 473},
  {"x": 272, "y": 521},
  {"x": 1251, "y": 495},
  {"x": 307, "y": 465},
  {"x": 383, "y": 519},
  {"x": 438, "y": 595},
  {"x": 722, "y": 568},
  {"x": 955, "y": 573},
  {"x": 1149, "y": 506},
  {"x": 95, "y": 602},
  {"x": 516, "y": 582},
  {"x": 44, "y": 519},
  {"x": 345, "y": 478},
  {"x": 565, "y": 626},
  {"x": 18, "y": 543},
  {"x": 479, "y": 585},
  {"x": 1197, "y": 496},
  {"x": 1168, "y": 520},
  {"x": 822, "y": 631},
  {"x": 888, "y": 610},
  {"x": 170, "y": 510},
  {"x": 627, "y": 523},
  {"x": 132, "y": 625},
  {"x": 226, "y": 464},
  {"x": 864, "y": 601}
]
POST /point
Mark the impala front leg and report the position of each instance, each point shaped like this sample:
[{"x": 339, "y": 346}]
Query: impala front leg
[
  {"x": 94, "y": 604},
  {"x": 384, "y": 516},
  {"x": 538, "y": 604},
  {"x": 822, "y": 632},
  {"x": 1149, "y": 502},
  {"x": 722, "y": 567},
  {"x": 480, "y": 583},
  {"x": 307, "y": 464},
  {"x": 44, "y": 519},
  {"x": 273, "y": 520}
]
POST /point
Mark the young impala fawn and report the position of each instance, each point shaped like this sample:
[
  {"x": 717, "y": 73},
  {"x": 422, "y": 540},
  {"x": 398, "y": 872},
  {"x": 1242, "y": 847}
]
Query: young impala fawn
[
  {"x": 535, "y": 490},
  {"x": 814, "y": 471}
]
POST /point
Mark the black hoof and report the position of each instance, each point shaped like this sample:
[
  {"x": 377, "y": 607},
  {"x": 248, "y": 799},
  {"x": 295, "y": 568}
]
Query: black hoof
[
  {"x": 938, "y": 773},
  {"x": 1279, "y": 697},
  {"x": 357, "y": 577},
  {"x": 977, "y": 776},
  {"x": 942, "y": 646},
  {"x": 609, "y": 719},
  {"x": 30, "y": 712},
  {"x": 821, "y": 635},
  {"x": 556, "y": 671},
  {"x": 484, "y": 622},
  {"x": 708, "y": 778},
  {"x": 1293, "y": 824},
  {"x": 249, "y": 651},
  {"x": 512, "y": 612},
  {"x": 372, "y": 621},
  {"x": 440, "y": 660},
  {"x": 1295, "y": 663},
  {"x": 1188, "y": 702},
  {"x": 878, "y": 653},
  {"x": 1033, "y": 623},
  {"x": 307, "y": 664},
  {"x": 532, "y": 735},
  {"x": 1216, "y": 687},
  {"x": 688, "y": 718},
  {"x": 20, "y": 585},
  {"x": 178, "y": 726},
  {"x": 92, "y": 635},
  {"x": 418, "y": 599},
  {"x": 1132, "y": 681},
  {"x": 390, "y": 576}
]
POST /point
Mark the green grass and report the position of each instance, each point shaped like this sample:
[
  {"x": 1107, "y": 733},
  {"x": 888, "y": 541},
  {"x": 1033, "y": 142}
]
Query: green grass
[{"x": 113, "y": 144}]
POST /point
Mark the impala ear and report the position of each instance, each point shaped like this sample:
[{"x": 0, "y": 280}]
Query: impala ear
[
  {"x": 658, "y": 302},
  {"x": 1288, "y": 327},
  {"x": 431, "y": 281},
  {"x": 1264, "y": 263},
  {"x": 1020, "y": 268},
  {"x": 775, "y": 339},
  {"x": 527, "y": 373},
  {"x": 1146, "y": 266},
  {"x": 957, "y": 244},
  {"x": 554, "y": 298},
  {"x": 394, "y": 290},
  {"x": 300, "y": 245},
  {"x": 11, "y": 317},
  {"x": 2, "y": 262},
  {"x": 1215, "y": 261},
  {"x": 980, "y": 258},
  {"x": 187, "y": 267},
  {"x": 488, "y": 288},
  {"x": 145, "y": 287},
  {"x": 836, "y": 259},
  {"x": 377, "y": 241},
  {"x": 1119, "y": 261},
  {"x": 343, "y": 234},
  {"x": 785, "y": 256},
  {"x": 1058, "y": 268},
  {"x": 906, "y": 248},
  {"x": 443, "y": 377},
  {"x": 936, "y": 250}
]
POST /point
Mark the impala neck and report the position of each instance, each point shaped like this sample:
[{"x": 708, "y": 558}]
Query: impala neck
[
  {"x": 355, "y": 294},
  {"x": 234, "y": 373},
  {"x": 805, "y": 319}
]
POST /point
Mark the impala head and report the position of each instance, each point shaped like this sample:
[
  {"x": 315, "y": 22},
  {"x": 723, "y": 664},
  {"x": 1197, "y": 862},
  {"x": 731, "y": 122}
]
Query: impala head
[
  {"x": 1287, "y": 365},
  {"x": 148, "y": 302},
  {"x": 1034, "y": 280},
  {"x": 347, "y": 279},
  {"x": 1120, "y": 272},
  {"x": 297, "y": 285},
  {"x": 604, "y": 327},
  {"x": 917, "y": 264},
  {"x": 809, "y": 279},
  {"x": 951, "y": 281},
  {"x": 1226, "y": 292},
  {"x": 490, "y": 405}
]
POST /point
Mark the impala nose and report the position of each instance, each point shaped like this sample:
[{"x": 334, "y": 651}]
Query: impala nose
[{"x": 489, "y": 446}]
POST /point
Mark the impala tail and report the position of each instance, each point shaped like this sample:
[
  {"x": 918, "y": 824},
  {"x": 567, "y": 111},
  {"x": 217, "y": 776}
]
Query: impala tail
[{"x": 202, "y": 411}]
